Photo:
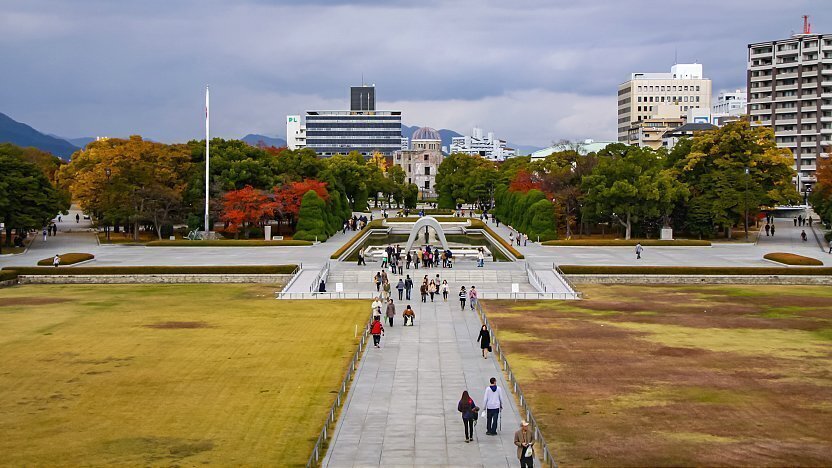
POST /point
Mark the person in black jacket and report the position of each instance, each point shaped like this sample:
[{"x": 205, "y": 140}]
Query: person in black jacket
[
  {"x": 469, "y": 411},
  {"x": 485, "y": 341}
]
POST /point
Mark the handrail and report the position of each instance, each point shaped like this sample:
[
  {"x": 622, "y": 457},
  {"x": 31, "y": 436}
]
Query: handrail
[
  {"x": 322, "y": 273},
  {"x": 534, "y": 278},
  {"x": 547, "y": 458},
  {"x": 562, "y": 275},
  {"x": 315, "y": 457}
]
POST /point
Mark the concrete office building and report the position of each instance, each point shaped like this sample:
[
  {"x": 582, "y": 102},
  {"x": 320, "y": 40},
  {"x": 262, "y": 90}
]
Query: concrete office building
[
  {"x": 731, "y": 103},
  {"x": 648, "y": 132},
  {"x": 683, "y": 88},
  {"x": 487, "y": 146},
  {"x": 790, "y": 90},
  {"x": 295, "y": 133},
  {"x": 362, "y": 128},
  {"x": 421, "y": 162}
]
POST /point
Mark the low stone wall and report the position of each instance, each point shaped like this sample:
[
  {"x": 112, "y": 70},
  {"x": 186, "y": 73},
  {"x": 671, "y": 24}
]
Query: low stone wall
[
  {"x": 277, "y": 280},
  {"x": 700, "y": 279},
  {"x": 7, "y": 283}
]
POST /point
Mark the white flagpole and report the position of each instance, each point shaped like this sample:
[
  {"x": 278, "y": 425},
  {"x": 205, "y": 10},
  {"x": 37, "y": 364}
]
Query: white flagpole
[{"x": 207, "y": 158}]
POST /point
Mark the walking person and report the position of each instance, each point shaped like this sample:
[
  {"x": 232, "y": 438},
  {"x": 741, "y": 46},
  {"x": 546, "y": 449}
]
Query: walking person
[
  {"x": 385, "y": 288},
  {"x": 469, "y": 411},
  {"x": 472, "y": 297},
  {"x": 768, "y": 228},
  {"x": 830, "y": 246},
  {"x": 408, "y": 286},
  {"x": 480, "y": 258},
  {"x": 485, "y": 341},
  {"x": 384, "y": 259},
  {"x": 424, "y": 290},
  {"x": 44, "y": 234},
  {"x": 77, "y": 218},
  {"x": 361, "y": 257},
  {"x": 377, "y": 280},
  {"x": 400, "y": 288},
  {"x": 493, "y": 401},
  {"x": 391, "y": 312},
  {"x": 56, "y": 261},
  {"x": 376, "y": 308},
  {"x": 377, "y": 330},
  {"x": 803, "y": 235},
  {"x": 639, "y": 250},
  {"x": 408, "y": 314},
  {"x": 445, "y": 291},
  {"x": 463, "y": 296},
  {"x": 408, "y": 259},
  {"x": 432, "y": 289},
  {"x": 524, "y": 440}
]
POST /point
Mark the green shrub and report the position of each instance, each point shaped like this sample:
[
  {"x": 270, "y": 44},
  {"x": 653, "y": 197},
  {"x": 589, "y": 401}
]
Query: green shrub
[
  {"x": 792, "y": 259},
  {"x": 686, "y": 270},
  {"x": 441, "y": 219},
  {"x": 631, "y": 242},
  {"x": 360, "y": 201},
  {"x": 542, "y": 221},
  {"x": 6, "y": 275},
  {"x": 446, "y": 201},
  {"x": 228, "y": 243},
  {"x": 312, "y": 220},
  {"x": 68, "y": 259},
  {"x": 159, "y": 270}
]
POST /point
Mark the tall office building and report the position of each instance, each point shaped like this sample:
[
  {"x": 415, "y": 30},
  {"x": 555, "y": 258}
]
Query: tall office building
[
  {"x": 639, "y": 99},
  {"x": 362, "y": 128},
  {"x": 790, "y": 90},
  {"x": 295, "y": 133}
]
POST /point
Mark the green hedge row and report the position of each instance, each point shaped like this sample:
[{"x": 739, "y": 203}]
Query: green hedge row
[
  {"x": 227, "y": 243},
  {"x": 441, "y": 219},
  {"x": 792, "y": 259},
  {"x": 686, "y": 270},
  {"x": 478, "y": 224},
  {"x": 6, "y": 275},
  {"x": 374, "y": 224},
  {"x": 631, "y": 242},
  {"x": 530, "y": 213},
  {"x": 158, "y": 270},
  {"x": 68, "y": 259}
]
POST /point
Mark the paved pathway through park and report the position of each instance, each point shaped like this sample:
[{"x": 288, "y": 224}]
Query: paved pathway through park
[{"x": 402, "y": 407}]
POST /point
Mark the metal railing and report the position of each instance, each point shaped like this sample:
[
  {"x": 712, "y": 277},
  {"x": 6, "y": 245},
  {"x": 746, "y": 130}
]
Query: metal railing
[
  {"x": 568, "y": 283},
  {"x": 320, "y": 276},
  {"x": 541, "y": 447},
  {"x": 327, "y": 295},
  {"x": 315, "y": 457},
  {"x": 530, "y": 295},
  {"x": 534, "y": 278}
]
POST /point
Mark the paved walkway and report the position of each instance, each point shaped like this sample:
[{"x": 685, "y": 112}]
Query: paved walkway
[{"x": 402, "y": 407}]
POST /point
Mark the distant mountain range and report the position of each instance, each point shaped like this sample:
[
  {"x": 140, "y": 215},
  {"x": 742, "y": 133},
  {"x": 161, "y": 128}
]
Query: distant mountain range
[
  {"x": 254, "y": 139},
  {"x": 447, "y": 135},
  {"x": 20, "y": 134}
]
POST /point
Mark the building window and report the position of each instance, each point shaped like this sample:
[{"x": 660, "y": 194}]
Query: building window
[
  {"x": 427, "y": 170},
  {"x": 427, "y": 185},
  {"x": 697, "y": 87},
  {"x": 697, "y": 98},
  {"x": 409, "y": 168},
  {"x": 426, "y": 157}
]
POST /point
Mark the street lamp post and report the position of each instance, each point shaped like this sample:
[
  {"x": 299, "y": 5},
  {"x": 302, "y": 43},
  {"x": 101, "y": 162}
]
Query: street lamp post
[
  {"x": 107, "y": 224},
  {"x": 746, "y": 203}
]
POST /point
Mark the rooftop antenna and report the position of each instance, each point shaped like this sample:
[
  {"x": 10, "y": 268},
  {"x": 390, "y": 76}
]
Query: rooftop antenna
[
  {"x": 675, "y": 56},
  {"x": 807, "y": 26}
]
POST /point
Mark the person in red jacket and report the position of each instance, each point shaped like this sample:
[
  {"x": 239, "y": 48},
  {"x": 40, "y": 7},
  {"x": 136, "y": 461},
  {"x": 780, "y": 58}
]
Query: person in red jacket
[{"x": 377, "y": 330}]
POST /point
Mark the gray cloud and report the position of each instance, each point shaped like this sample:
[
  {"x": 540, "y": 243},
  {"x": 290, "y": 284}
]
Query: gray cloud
[{"x": 533, "y": 71}]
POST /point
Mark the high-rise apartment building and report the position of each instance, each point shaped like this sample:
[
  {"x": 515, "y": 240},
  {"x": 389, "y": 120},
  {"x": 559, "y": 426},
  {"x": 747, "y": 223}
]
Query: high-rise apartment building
[
  {"x": 488, "y": 146},
  {"x": 362, "y": 128},
  {"x": 790, "y": 90},
  {"x": 731, "y": 103},
  {"x": 639, "y": 99}
]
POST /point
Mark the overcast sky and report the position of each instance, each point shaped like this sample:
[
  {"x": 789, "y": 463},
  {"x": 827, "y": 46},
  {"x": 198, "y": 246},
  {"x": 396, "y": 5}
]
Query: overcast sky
[{"x": 532, "y": 71}]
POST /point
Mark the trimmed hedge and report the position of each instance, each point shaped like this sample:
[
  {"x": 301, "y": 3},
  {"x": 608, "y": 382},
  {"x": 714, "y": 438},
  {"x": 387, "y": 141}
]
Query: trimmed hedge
[
  {"x": 227, "y": 243},
  {"x": 374, "y": 224},
  {"x": 159, "y": 270},
  {"x": 6, "y": 275},
  {"x": 68, "y": 259},
  {"x": 438, "y": 211},
  {"x": 792, "y": 259},
  {"x": 441, "y": 219},
  {"x": 631, "y": 242},
  {"x": 478, "y": 224},
  {"x": 684, "y": 270}
]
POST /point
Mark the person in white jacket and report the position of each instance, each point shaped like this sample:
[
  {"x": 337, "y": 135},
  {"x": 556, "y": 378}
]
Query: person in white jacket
[{"x": 493, "y": 404}]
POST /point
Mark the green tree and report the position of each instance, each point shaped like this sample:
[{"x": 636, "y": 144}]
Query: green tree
[
  {"x": 348, "y": 173},
  {"x": 410, "y": 194},
  {"x": 311, "y": 218},
  {"x": 630, "y": 184},
  {"x": 28, "y": 200},
  {"x": 464, "y": 177}
]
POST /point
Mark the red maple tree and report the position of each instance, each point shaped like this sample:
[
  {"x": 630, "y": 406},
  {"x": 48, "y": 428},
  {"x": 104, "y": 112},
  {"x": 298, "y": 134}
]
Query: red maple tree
[
  {"x": 524, "y": 181},
  {"x": 288, "y": 196},
  {"x": 245, "y": 207}
]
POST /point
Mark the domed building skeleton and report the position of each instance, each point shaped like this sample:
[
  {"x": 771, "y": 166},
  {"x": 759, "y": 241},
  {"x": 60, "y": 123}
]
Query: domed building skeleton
[{"x": 421, "y": 162}]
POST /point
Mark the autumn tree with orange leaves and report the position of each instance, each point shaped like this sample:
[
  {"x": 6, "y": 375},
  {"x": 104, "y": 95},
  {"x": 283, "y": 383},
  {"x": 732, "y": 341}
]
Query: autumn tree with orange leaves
[
  {"x": 245, "y": 208},
  {"x": 821, "y": 197}
]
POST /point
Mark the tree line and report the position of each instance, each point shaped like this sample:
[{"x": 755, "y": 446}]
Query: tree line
[{"x": 704, "y": 186}]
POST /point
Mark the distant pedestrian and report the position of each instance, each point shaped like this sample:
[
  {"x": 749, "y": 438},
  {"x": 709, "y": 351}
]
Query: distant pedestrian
[
  {"x": 472, "y": 297},
  {"x": 432, "y": 289},
  {"x": 423, "y": 289},
  {"x": 54, "y": 229},
  {"x": 408, "y": 314},
  {"x": 408, "y": 286},
  {"x": 830, "y": 246},
  {"x": 480, "y": 258},
  {"x": 56, "y": 261},
  {"x": 59, "y": 218},
  {"x": 803, "y": 235},
  {"x": 525, "y": 240},
  {"x": 484, "y": 339},
  {"x": 493, "y": 402},
  {"x": 77, "y": 218},
  {"x": 377, "y": 330},
  {"x": 44, "y": 234},
  {"x": 639, "y": 250},
  {"x": 772, "y": 230},
  {"x": 391, "y": 312},
  {"x": 377, "y": 280},
  {"x": 361, "y": 254},
  {"x": 376, "y": 308},
  {"x": 444, "y": 290},
  {"x": 463, "y": 296},
  {"x": 400, "y": 288},
  {"x": 810, "y": 221},
  {"x": 768, "y": 228},
  {"x": 469, "y": 411},
  {"x": 524, "y": 440},
  {"x": 795, "y": 221},
  {"x": 385, "y": 290}
]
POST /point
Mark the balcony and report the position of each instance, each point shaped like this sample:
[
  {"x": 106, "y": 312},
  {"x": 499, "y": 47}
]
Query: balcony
[
  {"x": 785, "y": 110},
  {"x": 785, "y": 133},
  {"x": 786, "y": 121},
  {"x": 809, "y": 74},
  {"x": 806, "y": 167},
  {"x": 784, "y": 76},
  {"x": 766, "y": 77},
  {"x": 808, "y": 144},
  {"x": 809, "y": 120},
  {"x": 761, "y": 89}
]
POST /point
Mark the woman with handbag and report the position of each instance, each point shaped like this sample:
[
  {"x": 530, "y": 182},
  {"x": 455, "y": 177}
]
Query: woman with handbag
[
  {"x": 469, "y": 411},
  {"x": 485, "y": 341}
]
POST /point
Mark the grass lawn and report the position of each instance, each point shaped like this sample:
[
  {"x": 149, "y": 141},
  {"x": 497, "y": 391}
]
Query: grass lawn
[
  {"x": 167, "y": 374},
  {"x": 677, "y": 375}
]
